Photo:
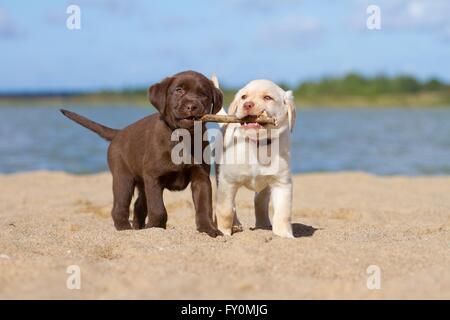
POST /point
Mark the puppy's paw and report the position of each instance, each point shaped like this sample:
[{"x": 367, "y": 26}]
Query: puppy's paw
[
  {"x": 138, "y": 225},
  {"x": 122, "y": 226},
  {"x": 284, "y": 232},
  {"x": 155, "y": 225},
  {"x": 210, "y": 231},
  {"x": 214, "y": 233},
  {"x": 262, "y": 227},
  {"x": 156, "y": 221},
  {"x": 237, "y": 228},
  {"x": 226, "y": 231}
]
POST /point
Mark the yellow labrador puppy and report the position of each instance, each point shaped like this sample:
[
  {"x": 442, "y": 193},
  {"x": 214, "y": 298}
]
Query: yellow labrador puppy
[{"x": 241, "y": 161}]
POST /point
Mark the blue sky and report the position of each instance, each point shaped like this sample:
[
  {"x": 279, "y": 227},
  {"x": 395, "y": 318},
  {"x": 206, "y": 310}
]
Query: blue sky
[{"x": 132, "y": 43}]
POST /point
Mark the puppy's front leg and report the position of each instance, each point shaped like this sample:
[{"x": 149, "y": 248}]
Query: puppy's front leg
[
  {"x": 225, "y": 214},
  {"x": 157, "y": 214},
  {"x": 281, "y": 195},
  {"x": 202, "y": 197}
]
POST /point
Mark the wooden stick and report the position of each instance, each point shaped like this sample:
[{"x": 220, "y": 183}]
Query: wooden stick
[{"x": 234, "y": 119}]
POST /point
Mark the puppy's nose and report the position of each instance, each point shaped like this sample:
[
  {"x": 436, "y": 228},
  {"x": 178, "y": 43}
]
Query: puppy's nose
[
  {"x": 190, "y": 107},
  {"x": 248, "y": 105}
]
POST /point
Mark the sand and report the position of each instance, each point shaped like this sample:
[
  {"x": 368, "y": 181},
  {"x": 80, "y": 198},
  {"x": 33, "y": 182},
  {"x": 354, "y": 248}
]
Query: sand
[{"x": 343, "y": 222}]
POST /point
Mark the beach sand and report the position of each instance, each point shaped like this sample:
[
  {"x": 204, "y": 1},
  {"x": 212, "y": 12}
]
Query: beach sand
[{"x": 344, "y": 223}]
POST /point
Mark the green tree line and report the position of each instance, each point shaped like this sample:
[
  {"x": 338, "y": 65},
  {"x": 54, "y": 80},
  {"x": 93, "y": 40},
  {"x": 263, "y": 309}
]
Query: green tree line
[{"x": 355, "y": 84}]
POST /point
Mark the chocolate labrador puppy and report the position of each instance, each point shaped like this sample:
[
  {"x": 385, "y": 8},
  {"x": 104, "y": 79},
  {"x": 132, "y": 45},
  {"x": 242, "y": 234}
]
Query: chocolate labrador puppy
[{"x": 139, "y": 155}]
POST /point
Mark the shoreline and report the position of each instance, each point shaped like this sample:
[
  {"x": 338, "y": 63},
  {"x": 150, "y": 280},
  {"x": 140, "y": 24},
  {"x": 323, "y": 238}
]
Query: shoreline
[
  {"x": 298, "y": 174},
  {"x": 410, "y": 100}
]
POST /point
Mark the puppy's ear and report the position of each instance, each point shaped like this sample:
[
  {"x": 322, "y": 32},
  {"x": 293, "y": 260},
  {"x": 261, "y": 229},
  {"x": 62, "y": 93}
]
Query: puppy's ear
[
  {"x": 157, "y": 94},
  {"x": 217, "y": 100},
  {"x": 233, "y": 107},
  {"x": 215, "y": 80},
  {"x": 289, "y": 103}
]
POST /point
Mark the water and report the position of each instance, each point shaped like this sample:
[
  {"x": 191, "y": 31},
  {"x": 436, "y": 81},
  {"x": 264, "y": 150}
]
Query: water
[{"x": 380, "y": 141}]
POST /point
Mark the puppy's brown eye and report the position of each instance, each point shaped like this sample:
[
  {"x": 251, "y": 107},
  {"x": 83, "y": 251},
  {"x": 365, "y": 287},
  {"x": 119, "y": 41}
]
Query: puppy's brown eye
[
  {"x": 244, "y": 97},
  {"x": 268, "y": 98},
  {"x": 179, "y": 90}
]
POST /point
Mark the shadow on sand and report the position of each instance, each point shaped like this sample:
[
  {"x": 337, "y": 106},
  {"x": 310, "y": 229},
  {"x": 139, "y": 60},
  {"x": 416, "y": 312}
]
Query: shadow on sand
[
  {"x": 299, "y": 230},
  {"x": 302, "y": 230}
]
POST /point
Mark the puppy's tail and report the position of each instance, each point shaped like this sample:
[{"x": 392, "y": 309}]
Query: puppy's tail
[{"x": 103, "y": 131}]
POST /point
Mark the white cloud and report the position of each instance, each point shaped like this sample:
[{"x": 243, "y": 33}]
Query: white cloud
[
  {"x": 408, "y": 15},
  {"x": 416, "y": 9},
  {"x": 8, "y": 29},
  {"x": 419, "y": 14}
]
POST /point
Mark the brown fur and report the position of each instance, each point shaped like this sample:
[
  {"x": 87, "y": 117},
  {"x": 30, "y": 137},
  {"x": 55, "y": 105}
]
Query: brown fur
[{"x": 139, "y": 156}]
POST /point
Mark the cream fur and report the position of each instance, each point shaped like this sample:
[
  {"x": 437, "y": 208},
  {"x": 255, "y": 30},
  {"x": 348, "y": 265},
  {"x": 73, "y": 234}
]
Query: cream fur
[{"x": 270, "y": 183}]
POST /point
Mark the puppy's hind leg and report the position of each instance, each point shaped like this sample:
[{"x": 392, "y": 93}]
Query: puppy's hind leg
[
  {"x": 262, "y": 200},
  {"x": 140, "y": 209},
  {"x": 237, "y": 225},
  {"x": 282, "y": 204},
  {"x": 123, "y": 188}
]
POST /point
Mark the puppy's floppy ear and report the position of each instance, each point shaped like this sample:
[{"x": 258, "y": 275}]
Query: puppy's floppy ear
[
  {"x": 289, "y": 103},
  {"x": 233, "y": 106},
  {"x": 157, "y": 94}
]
